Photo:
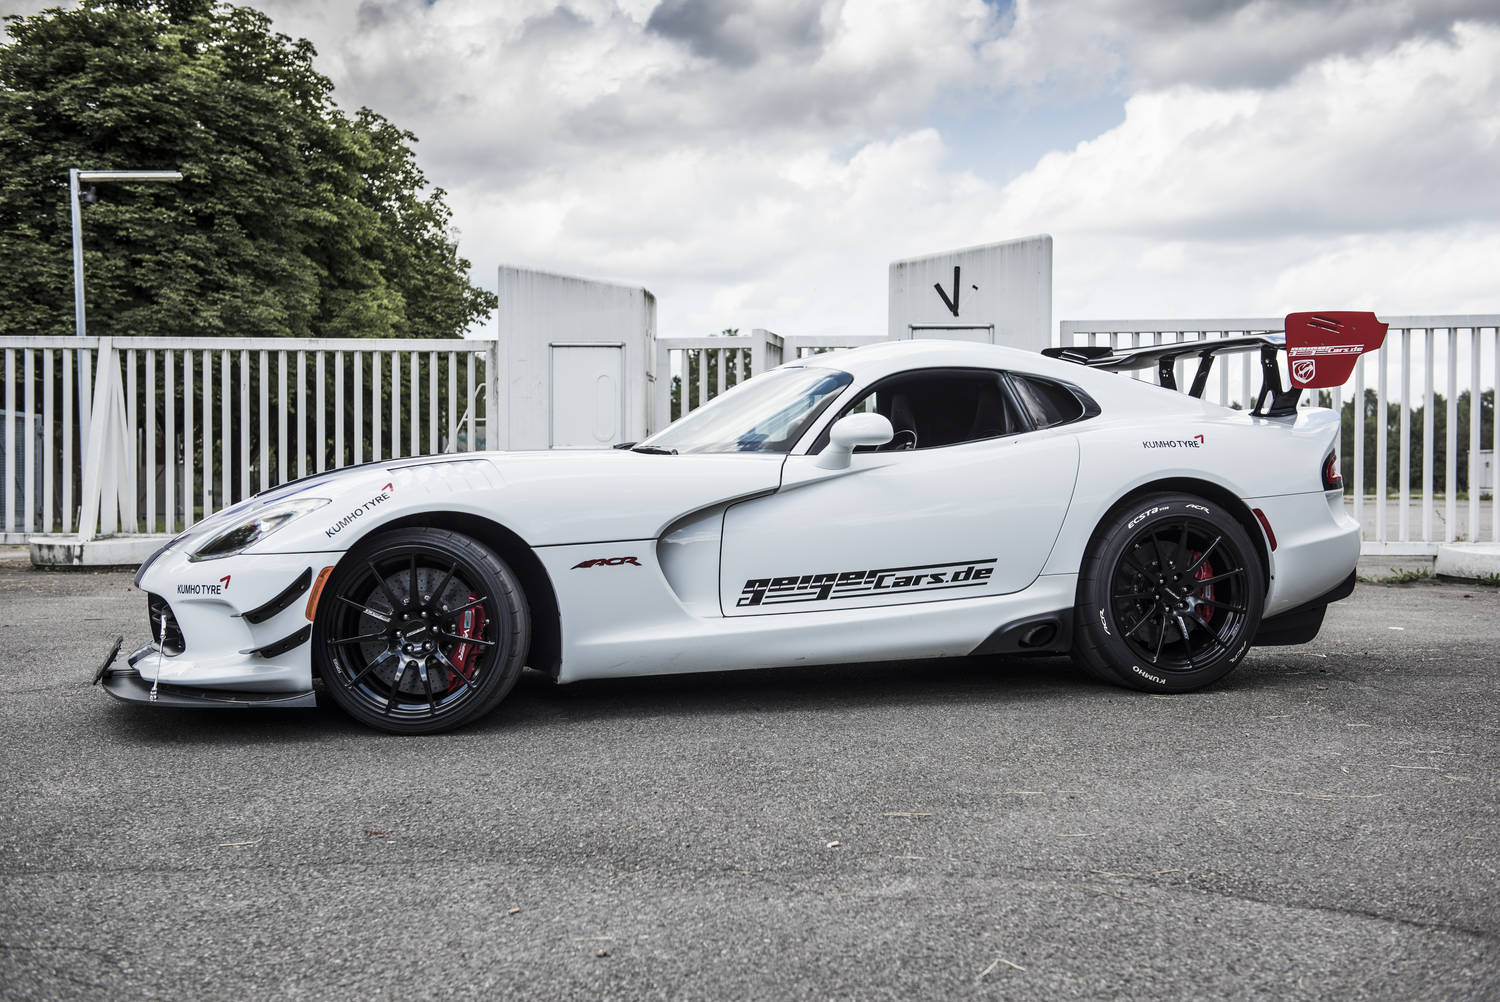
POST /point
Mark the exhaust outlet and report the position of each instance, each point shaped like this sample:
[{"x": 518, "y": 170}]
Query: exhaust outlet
[{"x": 1039, "y": 635}]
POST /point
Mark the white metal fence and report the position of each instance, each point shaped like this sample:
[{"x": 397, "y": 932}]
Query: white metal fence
[
  {"x": 691, "y": 371},
  {"x": 147, "y": 435}
]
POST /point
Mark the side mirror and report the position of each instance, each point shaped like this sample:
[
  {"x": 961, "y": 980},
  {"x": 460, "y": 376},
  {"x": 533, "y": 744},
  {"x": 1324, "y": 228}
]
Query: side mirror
[{"x": 854, "y": 430}]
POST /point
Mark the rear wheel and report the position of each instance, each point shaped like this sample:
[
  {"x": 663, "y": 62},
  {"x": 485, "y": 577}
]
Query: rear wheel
[
  {"x": 1170, "y": 595},
  {"x": 420, "y": 630}
]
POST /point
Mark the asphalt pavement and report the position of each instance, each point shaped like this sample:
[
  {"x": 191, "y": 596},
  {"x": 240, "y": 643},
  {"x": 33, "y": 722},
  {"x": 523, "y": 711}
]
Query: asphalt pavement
[{"x": 1323, "y": 825}]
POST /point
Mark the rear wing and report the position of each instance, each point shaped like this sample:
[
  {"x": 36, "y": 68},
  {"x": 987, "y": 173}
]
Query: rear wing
[{"x": 1321, "y": 350}]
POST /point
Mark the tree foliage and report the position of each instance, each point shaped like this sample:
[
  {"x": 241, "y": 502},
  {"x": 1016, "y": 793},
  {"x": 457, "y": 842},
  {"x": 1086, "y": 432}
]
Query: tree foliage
[
  {"x": 1417, "y": 419},
  {"x": 293, "y": 218}
]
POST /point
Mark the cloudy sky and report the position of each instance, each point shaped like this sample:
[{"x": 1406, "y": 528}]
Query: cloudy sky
[{"x": 760, "y": 163}]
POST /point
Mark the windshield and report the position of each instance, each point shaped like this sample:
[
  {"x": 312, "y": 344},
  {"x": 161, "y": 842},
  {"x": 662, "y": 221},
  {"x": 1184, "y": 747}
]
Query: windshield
[{"x": 766, "y": 414}]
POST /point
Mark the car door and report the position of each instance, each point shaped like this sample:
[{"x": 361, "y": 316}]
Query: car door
[{"x": 954, "y": 517}]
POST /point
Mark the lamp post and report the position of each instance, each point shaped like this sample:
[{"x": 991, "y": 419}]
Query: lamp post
[{"x": 90, "y": 176}]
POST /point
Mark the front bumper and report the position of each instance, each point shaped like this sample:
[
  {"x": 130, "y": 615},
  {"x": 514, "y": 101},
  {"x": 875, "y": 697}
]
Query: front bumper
[{"x": 237, "y": 625}]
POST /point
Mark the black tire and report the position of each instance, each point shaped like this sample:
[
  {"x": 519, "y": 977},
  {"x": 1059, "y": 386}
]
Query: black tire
[
  {"x": 1170, "y": 595},
  {"x": 420, "y": 630}
]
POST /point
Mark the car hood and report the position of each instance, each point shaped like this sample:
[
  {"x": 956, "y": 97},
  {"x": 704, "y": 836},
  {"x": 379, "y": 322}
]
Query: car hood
[{"x": 546, "y": 498}]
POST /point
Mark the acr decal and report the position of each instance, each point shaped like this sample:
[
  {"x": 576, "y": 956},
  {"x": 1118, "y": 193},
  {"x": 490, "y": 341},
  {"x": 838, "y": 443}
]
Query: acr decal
[
  {"x": 348, "y": 520},
  {"x": 1103, "y": 624},
  {"x": 607, "y": 562},
  {"x": 212, "y": 588},
  {"x": 850, "y": 584},
  {"x": 1199, "y": 507},
  {"x": 1196, "y": 442}
]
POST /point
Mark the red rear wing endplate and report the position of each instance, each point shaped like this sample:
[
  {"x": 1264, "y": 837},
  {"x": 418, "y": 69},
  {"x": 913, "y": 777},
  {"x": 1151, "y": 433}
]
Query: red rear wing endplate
[{"x": 1321, "y": 348}]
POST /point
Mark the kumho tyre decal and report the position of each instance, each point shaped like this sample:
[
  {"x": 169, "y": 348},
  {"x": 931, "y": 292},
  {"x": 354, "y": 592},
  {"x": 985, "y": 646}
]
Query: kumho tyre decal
[{"x": 1170, "y": 595}]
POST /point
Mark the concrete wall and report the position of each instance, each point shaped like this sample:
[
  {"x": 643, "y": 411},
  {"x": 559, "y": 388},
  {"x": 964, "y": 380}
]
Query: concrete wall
[
  {"x": 577, "y": 360},
  {"x": 998, "y": 293}
]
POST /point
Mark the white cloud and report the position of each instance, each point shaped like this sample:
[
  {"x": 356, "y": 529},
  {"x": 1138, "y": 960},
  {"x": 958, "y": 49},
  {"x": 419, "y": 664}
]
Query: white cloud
[{"x": 760, "y": 163}]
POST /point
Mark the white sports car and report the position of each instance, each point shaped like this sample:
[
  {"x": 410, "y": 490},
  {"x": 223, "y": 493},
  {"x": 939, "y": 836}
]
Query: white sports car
[{"x": 907, "y": 500}]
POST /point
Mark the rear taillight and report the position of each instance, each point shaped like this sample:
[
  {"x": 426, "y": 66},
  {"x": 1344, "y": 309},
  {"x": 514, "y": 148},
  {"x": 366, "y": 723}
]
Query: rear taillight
[{"x": 1333, "y": 480}]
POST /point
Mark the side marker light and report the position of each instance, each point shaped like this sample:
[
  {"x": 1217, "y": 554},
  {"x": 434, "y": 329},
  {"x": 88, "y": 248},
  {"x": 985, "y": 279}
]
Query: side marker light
[
  {"x": 1265, "y": 524},
  {"x": 317, "y": 590}
]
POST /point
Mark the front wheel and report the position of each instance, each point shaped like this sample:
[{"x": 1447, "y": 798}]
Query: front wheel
[
  {"x": 420, "y": 630},
  {"x": 1169, "y": 595}
]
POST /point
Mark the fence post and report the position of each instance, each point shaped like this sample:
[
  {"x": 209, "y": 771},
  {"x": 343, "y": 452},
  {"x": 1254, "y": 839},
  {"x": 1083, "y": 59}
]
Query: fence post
[
  {"x": 661, "y": 410},
  {"x": 96, "y": 448},
  {"x": 496, "y": 430},
  {"x": 758, "y": 337}
]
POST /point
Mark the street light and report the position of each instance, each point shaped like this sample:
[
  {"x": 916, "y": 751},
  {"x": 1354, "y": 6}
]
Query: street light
[{"x": 74, "y": 176}]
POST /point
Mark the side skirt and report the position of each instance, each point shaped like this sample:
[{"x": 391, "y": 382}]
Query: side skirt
[{"x": 1051, "y": 633}]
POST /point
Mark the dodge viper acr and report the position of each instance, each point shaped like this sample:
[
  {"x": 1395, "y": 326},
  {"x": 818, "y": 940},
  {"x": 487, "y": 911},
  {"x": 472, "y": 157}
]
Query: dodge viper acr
[{"x": 912, "y": 499}]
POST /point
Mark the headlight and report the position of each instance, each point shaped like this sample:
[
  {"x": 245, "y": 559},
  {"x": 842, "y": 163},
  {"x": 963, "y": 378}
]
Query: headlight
[{"x": 253, "y": 528}]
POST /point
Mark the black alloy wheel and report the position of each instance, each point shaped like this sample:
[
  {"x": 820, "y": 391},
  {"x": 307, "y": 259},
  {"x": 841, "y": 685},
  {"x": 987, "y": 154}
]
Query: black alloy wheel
[
  {"x": 420, "y": 630},
  {"x": 1170, "y": 595}
]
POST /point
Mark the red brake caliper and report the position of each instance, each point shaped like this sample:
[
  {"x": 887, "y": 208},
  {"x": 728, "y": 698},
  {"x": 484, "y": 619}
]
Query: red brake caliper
[
  {"x": 470, "y": 625},
  {"x": 1203, "y": 573}
]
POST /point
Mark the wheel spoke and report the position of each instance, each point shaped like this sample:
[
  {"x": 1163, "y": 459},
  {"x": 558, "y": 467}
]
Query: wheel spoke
[
  {"x": 1204, "y": 555},
  {"x": 1141, "y": 568},
  {"x": 372, "y": 613},
  {"x": 412, "y": 588},
  {"x": 359, "y": 640},
  {"x": 390, "y": 704},
  {"x": 1221, "y": 577},
  {"x": 1221, "y": 605},
  {"x": 1182, "y": 543},
  {"x": 464, "y": 608},
  {"x": 371, "y": 667},
  {"x": 465, "y": 640},
  {"x": 1187, "y": 645},
  {"x": 1161, "y": 638},
  {"x": 427, "y": 685},
  {"x": 395, "y": 602},
  {"x": 1212, "y": 636},
  {"x": 1161, "y": 560},
  {"x": 1141, "y": 622},
  {"x": 453, "y": 669},
  {"x": 437, "y": 594}
]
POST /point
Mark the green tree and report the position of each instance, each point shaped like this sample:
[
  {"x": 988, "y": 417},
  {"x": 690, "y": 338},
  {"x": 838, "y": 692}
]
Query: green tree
[
  {"x": 1417, "y": 419},
  {"x": 293, "y": 218}
]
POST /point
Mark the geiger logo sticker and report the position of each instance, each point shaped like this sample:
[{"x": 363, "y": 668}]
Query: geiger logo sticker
[{"x": 835, "y": 585}]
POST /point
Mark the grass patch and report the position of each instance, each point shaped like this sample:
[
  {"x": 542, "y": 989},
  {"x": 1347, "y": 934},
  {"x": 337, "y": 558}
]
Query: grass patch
[{"x": 1404, "y": 577}]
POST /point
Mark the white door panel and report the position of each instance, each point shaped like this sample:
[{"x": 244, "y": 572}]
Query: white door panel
[{"x": 899, "y": 527}]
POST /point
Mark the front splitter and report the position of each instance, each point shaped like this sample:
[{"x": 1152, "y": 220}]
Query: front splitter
[{"x": 128, "y": 687}]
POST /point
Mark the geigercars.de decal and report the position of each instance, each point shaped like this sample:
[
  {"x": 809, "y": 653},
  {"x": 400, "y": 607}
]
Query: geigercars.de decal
[
  {"x": 835, "y": 585},
  {"x": 349, "y": 519}
]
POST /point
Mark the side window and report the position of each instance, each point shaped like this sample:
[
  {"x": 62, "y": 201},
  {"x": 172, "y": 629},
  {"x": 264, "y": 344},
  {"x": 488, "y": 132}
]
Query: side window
[
  {"x": 935, "y": 408},
  {"x": 1046, "y": 403}
]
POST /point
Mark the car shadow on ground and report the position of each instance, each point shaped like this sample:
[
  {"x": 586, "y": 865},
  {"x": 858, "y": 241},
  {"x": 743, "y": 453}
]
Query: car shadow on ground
[{"x": 538, "y": 703}]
